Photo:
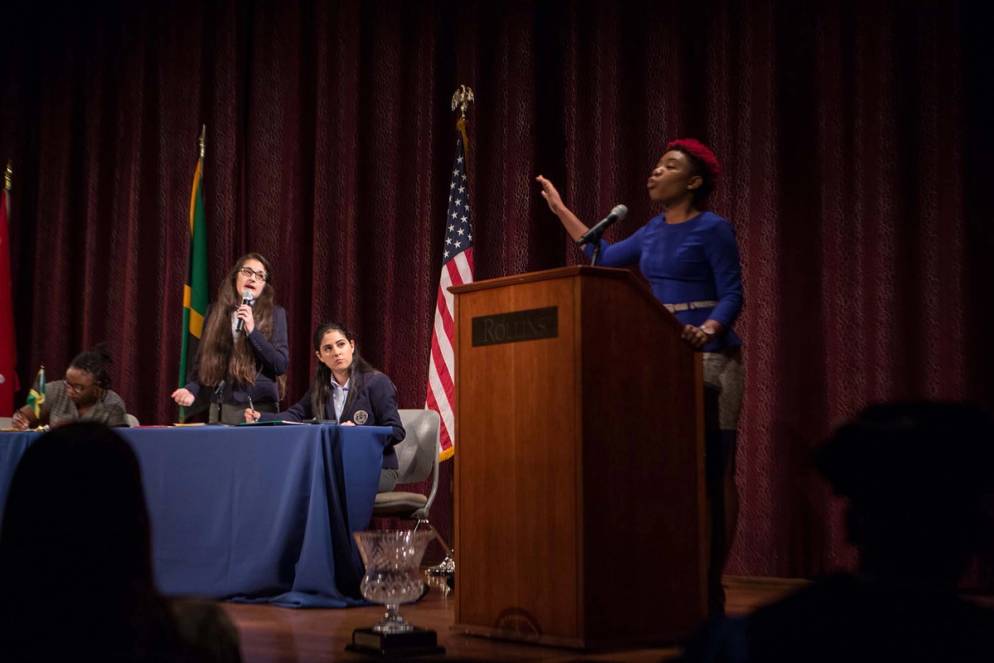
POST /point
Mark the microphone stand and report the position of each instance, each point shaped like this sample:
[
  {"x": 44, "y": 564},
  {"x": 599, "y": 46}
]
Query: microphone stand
[
  {"x": 217, "y": 397},
  {"x": 595, "y": 239},
  {"x": 219, "y": 389}
]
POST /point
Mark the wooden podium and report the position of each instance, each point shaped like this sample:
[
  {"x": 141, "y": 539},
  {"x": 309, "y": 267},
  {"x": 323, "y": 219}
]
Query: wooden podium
[{"x": 579, "y": 478}]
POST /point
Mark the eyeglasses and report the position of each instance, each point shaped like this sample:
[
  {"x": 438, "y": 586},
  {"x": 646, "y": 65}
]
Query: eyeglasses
[
  {"x": 77, "y": 388},
  {"x": 248, "y": 273}
]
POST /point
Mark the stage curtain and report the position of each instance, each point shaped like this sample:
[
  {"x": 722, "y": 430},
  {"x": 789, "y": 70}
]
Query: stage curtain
[{"x": 855, "y": 138}]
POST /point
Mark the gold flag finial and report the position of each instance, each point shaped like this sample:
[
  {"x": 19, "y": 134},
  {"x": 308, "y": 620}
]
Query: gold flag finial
[
  {"x": 203, "y": 141},
  {"x": 462, "y": 98},
  {"x": 8, "y": 176}
]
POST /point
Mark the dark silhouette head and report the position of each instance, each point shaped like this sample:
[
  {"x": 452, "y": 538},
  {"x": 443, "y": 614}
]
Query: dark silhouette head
[
  {"x": 75, "y": 547},
  {"x": 919, "y": 480}
]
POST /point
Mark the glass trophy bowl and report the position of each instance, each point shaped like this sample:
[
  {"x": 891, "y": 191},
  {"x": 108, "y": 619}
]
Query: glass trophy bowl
[{"x": 393, "y": 577}]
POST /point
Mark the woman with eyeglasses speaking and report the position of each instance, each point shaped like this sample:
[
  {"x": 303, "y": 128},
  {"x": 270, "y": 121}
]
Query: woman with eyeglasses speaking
[
  {"x": 243, "y": 353},
  {"x": 84, "y": 394}
]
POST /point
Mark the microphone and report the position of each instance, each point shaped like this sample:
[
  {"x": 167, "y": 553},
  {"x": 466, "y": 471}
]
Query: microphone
[
  {"x": 247, "y": 298},
  {"x": 594, "y": 234}
]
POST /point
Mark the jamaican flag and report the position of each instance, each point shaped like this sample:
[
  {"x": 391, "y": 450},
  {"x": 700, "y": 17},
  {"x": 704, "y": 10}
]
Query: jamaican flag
[
  {"x": 195, "y": 287},
  {"x": 37, "y": 394}
]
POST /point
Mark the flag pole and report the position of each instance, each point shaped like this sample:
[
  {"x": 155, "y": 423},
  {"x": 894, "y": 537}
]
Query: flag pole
[
  {"x": 187, "y": 296},
  {"x": 461, "y": 99},
  {"x": 441, "y": 402},
  {"x": 9, "y": 379},
  {"x": 457, "y": 268}
]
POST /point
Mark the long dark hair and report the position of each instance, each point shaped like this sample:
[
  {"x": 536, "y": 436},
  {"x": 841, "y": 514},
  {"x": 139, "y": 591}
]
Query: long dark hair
[
  {"x": 222, "y": 355},
  {"x": 322, "y": 376},
  {"x": 95, "y": 362}
]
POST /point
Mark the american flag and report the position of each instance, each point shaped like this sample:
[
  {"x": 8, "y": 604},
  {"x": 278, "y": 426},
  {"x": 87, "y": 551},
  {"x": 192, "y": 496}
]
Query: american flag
[{"x": 457, "y": 268}]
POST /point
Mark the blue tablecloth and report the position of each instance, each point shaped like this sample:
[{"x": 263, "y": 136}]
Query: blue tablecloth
[{"x": 252, "y": 513}]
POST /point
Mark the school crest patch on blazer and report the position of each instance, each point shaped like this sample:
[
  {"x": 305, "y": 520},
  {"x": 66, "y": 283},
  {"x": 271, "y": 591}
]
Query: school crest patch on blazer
[{"x": 360, "y": 417}]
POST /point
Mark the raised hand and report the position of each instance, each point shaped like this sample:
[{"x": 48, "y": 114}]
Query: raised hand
[{"x": 551, "y": 195}]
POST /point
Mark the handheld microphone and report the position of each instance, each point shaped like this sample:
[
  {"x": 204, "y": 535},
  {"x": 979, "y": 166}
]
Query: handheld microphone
[
  {"x": 617, "y": 214},
  {"x": 247, "y": 298}
]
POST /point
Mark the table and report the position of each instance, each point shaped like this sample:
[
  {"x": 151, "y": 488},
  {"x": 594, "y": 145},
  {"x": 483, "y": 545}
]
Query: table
[{"x": 253, "y": 513}]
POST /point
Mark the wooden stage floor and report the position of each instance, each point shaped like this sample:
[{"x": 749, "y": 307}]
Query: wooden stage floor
[{"x": 270, "y": 634}]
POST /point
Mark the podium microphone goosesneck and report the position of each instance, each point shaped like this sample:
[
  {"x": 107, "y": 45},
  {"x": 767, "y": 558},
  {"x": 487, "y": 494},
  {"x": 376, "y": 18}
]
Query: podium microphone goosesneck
[{"x": 594, "y": 234}]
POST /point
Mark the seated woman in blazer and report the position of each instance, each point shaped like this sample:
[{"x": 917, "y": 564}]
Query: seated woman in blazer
[{"x": 348, "y": 390}]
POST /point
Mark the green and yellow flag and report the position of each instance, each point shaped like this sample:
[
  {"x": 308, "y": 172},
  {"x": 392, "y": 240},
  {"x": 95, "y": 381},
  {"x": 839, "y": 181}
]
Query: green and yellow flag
[
  {"x": 37, "y": 394},
  {"x": 195, "y": 288}
]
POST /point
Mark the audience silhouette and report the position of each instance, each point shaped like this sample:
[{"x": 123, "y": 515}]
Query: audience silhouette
[
  {"x": 76, "y": 575},
  {"x": 919, "y": 480}
]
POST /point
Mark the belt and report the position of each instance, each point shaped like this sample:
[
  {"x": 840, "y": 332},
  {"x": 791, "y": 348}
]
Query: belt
[{"x": 690, "y": 306}]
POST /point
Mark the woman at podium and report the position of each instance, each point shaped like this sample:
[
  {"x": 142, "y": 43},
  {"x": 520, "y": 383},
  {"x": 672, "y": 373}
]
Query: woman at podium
[
  {"x": 84, "y": 395},
  {"x": 347, "y": 389},
  {"x": 690, "y": 258},
  {"x": 243, "y": 353}
]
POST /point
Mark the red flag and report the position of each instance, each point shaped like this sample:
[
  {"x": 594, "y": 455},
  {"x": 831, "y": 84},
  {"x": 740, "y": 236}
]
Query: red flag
[
  {"x": 457, "y": 268},
  {"x": 8, "y": 352}
]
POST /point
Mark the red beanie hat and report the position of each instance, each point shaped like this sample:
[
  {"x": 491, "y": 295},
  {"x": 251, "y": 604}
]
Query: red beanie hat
[{"x": 698, "y": 150}]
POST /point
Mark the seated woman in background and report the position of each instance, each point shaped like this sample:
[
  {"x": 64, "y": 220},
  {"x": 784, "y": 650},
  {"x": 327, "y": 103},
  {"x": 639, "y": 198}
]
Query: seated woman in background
[
  {"x": 348, "y": 390},
  {"x": 85, "y": 394}
]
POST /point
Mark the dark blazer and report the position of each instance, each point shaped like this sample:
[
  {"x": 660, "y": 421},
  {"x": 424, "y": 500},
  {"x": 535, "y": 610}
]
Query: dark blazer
[
  {"x": 272, "y": 355},
  {"x": 372, "y": 393}
]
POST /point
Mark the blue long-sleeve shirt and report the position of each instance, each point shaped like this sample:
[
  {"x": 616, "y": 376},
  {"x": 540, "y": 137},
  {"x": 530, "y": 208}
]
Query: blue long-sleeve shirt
[{"x": 693, "y": 261}]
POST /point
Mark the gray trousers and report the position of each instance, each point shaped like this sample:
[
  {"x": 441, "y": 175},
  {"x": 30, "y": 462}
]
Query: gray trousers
[
  {"x": 388, "y": 479},
  {"x": 724, "y": 380}
]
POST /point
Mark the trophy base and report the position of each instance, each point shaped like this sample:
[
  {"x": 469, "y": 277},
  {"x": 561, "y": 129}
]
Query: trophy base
[{"x": 418, "y": 642}]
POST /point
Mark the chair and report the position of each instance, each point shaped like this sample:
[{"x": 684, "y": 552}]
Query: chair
[{"x": 417, "y": 456}]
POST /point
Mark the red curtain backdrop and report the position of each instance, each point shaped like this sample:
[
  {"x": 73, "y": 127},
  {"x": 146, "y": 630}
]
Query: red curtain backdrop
[{"x": 855, "y": 138}]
